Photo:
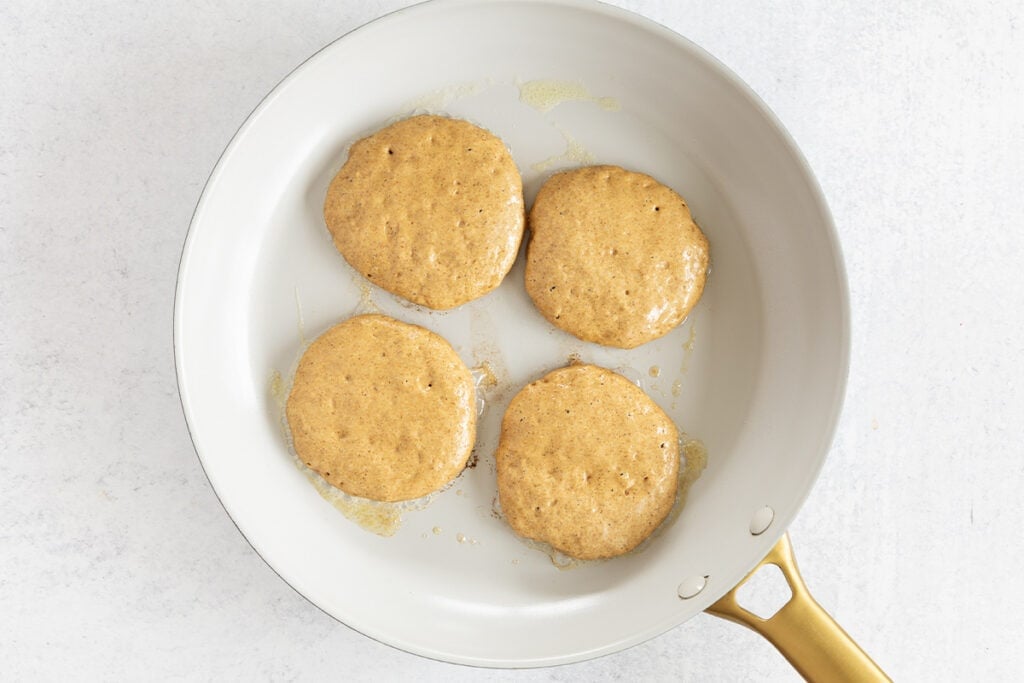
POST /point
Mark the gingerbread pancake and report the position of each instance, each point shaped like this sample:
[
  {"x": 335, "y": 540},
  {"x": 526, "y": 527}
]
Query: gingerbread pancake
[
  {"x": 614, "y": 256},
  {"x": 382, "y": 409},
  {"x": 587, "y": 462},
  {"x": 429, "y": 208}
]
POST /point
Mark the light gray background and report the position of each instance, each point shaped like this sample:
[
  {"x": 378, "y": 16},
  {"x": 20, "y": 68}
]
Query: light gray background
[{"x": 117, "y": 561}]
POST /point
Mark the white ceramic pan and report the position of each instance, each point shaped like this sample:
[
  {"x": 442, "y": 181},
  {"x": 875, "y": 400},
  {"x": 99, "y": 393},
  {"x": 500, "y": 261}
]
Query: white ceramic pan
[{"x": 756, "y": 373}]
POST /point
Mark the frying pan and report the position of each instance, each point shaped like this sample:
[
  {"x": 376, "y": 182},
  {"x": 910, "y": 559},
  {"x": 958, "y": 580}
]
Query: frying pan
[{"x": 756, "y": 374}]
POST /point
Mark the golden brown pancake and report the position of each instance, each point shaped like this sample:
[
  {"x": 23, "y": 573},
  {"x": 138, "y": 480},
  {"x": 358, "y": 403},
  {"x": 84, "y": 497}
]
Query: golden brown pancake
[
  {"x": 587, "y": 462},
  {"x": 382, "y": 409},
  {"x": 429, "y": 208},
  {"x": 614, "y": 256}
]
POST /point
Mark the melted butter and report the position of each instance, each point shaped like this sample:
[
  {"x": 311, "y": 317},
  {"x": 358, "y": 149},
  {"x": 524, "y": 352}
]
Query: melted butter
[
  {"x": 484, "y": 375},
  {"x": 684, "y": 364},
  {"x": 300, "y": 323},
  {"x": 366, "y": 302},
  {"x": 574, "y": 153},
  {"x": 654, "y": 371},
  {"x": 383, "y": 519},
  {"x": 484, "y": 378},
  {"x": 694, "y": 455},
  {"x": 688, "y": 345},
  {"x": 277, "y": 389},
  {"x": 545, "y": 95},
  {"x": 559, "y": 560},
  {"x": 436, "y": 100},
  {"x": 695, "y": 461},
  {"x": 490, "y": 374},
  {"x": 463, "y": 538}
]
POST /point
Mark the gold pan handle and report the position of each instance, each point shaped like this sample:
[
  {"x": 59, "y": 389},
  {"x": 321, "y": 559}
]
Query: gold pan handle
[{"x": 801, "y": 630}]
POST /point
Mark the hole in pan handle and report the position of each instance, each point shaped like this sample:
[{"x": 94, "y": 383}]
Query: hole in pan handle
[{"x": 802, "y": 630}]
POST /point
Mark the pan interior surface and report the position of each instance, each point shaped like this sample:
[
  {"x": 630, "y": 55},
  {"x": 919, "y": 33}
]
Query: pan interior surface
[{"x": 756, "y": 373}]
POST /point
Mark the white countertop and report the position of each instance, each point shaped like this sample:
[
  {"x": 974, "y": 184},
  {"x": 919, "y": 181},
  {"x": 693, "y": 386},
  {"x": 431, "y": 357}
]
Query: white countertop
[{"x": 118, "y": 562}]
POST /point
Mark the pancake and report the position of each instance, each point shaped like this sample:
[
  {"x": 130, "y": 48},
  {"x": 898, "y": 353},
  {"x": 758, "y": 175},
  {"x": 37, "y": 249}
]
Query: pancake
[
  {"x": 614, "y": 256},
  {"x": 587, "y": 462},
  {"x": 429, "y": 208},
  {"x": 382, "y": 409}
]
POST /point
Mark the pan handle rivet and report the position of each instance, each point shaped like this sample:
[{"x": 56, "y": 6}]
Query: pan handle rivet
[
  {"x": 692, "y": 586},
  {"x": 761, "y": 520}
]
